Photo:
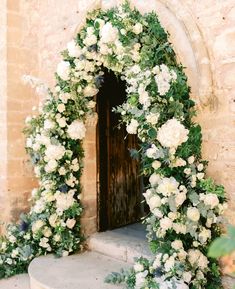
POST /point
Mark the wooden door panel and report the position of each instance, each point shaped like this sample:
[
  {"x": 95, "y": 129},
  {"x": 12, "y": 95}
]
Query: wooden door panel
[{"x": 120, "y": 184}]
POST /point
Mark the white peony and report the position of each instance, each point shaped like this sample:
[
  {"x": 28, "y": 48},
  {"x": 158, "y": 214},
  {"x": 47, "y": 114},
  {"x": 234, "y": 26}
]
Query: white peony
[
  {"x": 211, "y": 200},
  {"x": 138, "y": 28},
  {"x": 172, "y": 134},
  {"x": 131, "y": 128},
  {"x": 168, "y": 186},
  {"x": 76, "y": 130},
  {"x": 73, "y": 49},
  {"x": 63, "y": 70},
  {"x": 108, "y": 33},
  {"x": 193, "y": 214},
  {"x": 54, "y": 152}
]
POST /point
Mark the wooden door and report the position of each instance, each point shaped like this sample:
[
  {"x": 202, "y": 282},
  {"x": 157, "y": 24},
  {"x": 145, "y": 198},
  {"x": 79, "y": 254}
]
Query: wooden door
[{"x": 119, "y": 188}]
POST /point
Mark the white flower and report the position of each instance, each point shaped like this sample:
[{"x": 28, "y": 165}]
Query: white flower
[
  {"x": 180, "y": 198},
  {"x": 47, "y": 232},
  {"x": 70, "y": 223},
  {"x": 64, "y": 201},
  {"x": 61, "y": 107},
  {"x": 131, "y": 128},
  {"x": 44, "y": 242},
  {"x": 153, "y": 152},
  {"x": 73, "y": 49},
  {"x": 61, "y": 122},
  {"x": 204, "y": 235},
  {"x": 9, "y": 261},
  {"x": 51, "y": 166},
  {"x": 187, "y": 171},
  {"x": 62, "y": 171},
  {"x": 53, "y": 220},
  {"x": 177, "y": 245},
  {"x": 156, "y": 165},
  {"x": 90, "y": 91},
  {"x": 193, "y": 214},
  {"x": 63, "y": 69},
  {"x": 211, "y": 200},
  {"x": 138, "y": 267},
  {"x": 37, "y": 225},
  {"x": 187, "y": 276},
  {"x": 90, "y": 40},
  {"x": 108, "y": 33},
  {"x": 168, "y": 186},
  {"x": 200, "y": 176},
  {"x": 138, "y": 28},
  {"x": 154, "y": 180},
  {"x": 65, "y": 253},
  {"x": 191, "y": 160},
  {"x": 169, "y": 264},
  {"x": 179, "y": 228},
  {"x": 12, "y": 238},
  {"x": 48, "y": 124},
  {"x": 54, "y": 152},
  {"x": 154, "y": 202},
  {"x": 166, "y": 223},
  {"x": 29, "y": 142},
  {"x": 197, "y": 259},
  {"x": 200, "y": 167},
  {"x": 140, "y": 279},
  {"x": 152, "y": 118},
  {"x": 172, "y": 134},
  {"x": 76, "y": 130},
  {"x": 15, "y": 253},
  {"x": 57, "y": 238}
]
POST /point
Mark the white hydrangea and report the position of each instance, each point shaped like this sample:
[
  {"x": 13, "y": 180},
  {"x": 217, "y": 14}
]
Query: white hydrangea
[
  {"x": 172, "y": 134},
  {"x": 63, "y": 70},
  {"x": 54, "y": 152},
  {"x": 64, "y": 201},
  {"x": 76, "y": 130},
  {"x": 108, "y": 33}
]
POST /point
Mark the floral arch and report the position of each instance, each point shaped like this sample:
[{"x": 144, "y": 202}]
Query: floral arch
[{"x": 185, "y": 206}]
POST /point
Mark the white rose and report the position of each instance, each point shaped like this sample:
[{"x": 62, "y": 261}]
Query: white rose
[
  {"x": 180, "y": 198},
  {"x": 62, "y": 171},
  {"x": 152, "y": 118},
  {"x": 57, "y": 238},
  {"x": 90, "y": 91},
  {"x": 156, "y": 165},
  {"x": 191, "y": 160},
  {"x": 73, "y": 49},
  {"x": 61, "y": 122},
  {"x": 200, "y": 176},
  {"x": 211, "y": 200},
  {"x": 108, "y": 33},
  {"x": 138, "y": 28},
  {"x": 70, "y": 223},
  {"x": 154, "y": 180},
  {"x": 48, "y": 124},
  {"x": 172, "y": 134},
  {"x": 166, "y": 223},
  {"x": 154, "y": 202},
  {"x": 138, "y": 267},
  {"x": 37, "y": 226},
  {"x": 177, "y": 245},
  {"x": 200, "y": 167},
  {"x": 51, "y": 166},
  {"x": 187, "y": 171},
  {"x": 63, "y": 69},
  {"x": 53, "y": 220},
  {"x": 187, "y": 276},
  {"x": 131, "y": 128},
  {"x": 193, "y": 214},
  {"x": 47, "y": 232},
  {"x": 61, "y": 107},
  {"x": 76, "y": 130}
]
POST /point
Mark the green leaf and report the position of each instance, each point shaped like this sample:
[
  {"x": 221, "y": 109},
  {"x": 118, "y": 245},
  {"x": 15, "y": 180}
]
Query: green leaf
[
  {"x": 152, "y": 133},
  {"x": 221, "y": 247}
]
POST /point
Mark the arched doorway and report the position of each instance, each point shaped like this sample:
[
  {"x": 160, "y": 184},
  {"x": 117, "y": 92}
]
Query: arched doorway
[{"x": 119, "y": 180}]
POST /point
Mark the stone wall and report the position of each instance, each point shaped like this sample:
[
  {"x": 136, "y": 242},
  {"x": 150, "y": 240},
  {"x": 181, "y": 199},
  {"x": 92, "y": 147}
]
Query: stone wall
[{"x": 203, "y": 34}]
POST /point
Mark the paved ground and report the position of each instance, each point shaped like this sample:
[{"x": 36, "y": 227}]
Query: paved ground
[{"x": 17, "y": 282}]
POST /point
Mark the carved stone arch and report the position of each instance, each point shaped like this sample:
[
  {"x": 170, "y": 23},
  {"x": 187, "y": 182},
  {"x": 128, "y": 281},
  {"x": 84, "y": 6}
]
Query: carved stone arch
[{"x": 185, "y": 37}]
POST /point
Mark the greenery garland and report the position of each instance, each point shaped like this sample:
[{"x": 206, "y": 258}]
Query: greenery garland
[{"x": 185, "y": 206}]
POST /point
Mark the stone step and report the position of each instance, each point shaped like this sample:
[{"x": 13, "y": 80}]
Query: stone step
[
  {"x": 82, "y": 271},
  {"x": 123, "y": 244},
  {"x": 20, "y": 281}
]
